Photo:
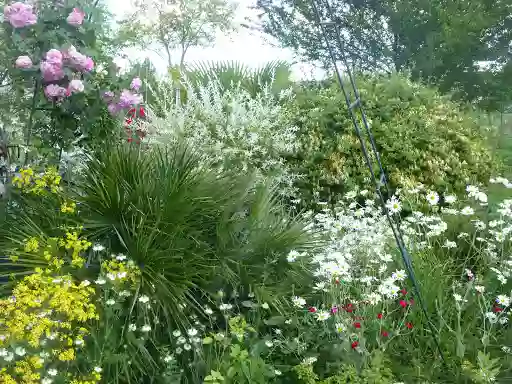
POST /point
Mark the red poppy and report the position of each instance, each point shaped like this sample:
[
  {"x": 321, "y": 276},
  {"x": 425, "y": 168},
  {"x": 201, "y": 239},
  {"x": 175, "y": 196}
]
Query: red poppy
[
  {"x": 312, "y": 309},
  {"x": 384, "y": 334},
  {"x": 349, "y": 307},
  {"x": 408, "y": 325},
  {"x": 357, "y": 325},
  {"x": 142, "y": 112},
  {"x": 355, "y": 344},
  {"x": 404, "y": 292},
  {"x": 403, "y": 303},
  {"x": 379, "y": 316},
  {"x": 497, "y": 309},
  {"x": 128, "y": 121}
]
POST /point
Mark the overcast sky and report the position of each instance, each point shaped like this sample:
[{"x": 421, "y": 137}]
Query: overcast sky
[{"x": 249, "y": 47}]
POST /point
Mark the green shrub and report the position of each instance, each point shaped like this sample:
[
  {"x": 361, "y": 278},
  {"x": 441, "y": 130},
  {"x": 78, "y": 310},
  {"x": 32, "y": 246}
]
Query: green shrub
[{"x": 421, "y": 136}]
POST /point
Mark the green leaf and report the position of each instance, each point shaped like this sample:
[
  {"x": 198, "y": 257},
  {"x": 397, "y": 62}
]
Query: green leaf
[
  {"x": 275, "y": 320},
  {"x": 248, "y": 304}
]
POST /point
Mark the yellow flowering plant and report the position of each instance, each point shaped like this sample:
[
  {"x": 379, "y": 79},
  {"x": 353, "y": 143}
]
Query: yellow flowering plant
[
  {"x": 115, "y": 319},
  {"x": 39, "y": 184},
  {"x": 44, "y": 323}
]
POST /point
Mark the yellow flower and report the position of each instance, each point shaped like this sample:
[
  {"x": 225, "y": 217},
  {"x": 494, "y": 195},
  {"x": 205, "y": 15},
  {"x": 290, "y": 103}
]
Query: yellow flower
[
  {"x": 36, "y": 184},
  {"x": 67, "y": 355},
  {"x": 68, "y": 207},
  {"x": 5, "y": 378},
  {"x": 32, "y": 245}
]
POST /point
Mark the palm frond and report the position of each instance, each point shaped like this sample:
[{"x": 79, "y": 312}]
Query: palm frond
[
  {"x": 233, "y": 74},
  {"x": 184, "y": 223}
]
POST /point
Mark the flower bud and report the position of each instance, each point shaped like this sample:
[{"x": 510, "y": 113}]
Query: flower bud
[
  {"x": 76, "y": 17},
  {"x": 76, "y": 86},
  {"x": 23, "y": 62}
]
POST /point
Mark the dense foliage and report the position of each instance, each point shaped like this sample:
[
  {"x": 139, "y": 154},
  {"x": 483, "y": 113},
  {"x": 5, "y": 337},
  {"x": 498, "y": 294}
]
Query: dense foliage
[
  {"x": 179, "y": 252},
  {"x": 441, "y": 42},
  {"x": 421, "y": 136}
]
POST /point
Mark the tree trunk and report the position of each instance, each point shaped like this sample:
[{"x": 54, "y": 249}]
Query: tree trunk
[{"x": 169, "y": 56}]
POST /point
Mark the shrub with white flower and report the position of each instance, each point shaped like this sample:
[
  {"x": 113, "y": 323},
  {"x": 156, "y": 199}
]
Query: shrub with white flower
[{"x": 238, "y": 131}]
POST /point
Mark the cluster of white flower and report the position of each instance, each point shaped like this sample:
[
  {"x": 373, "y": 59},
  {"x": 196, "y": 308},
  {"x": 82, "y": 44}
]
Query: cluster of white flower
[
  {"x": 358, "y": 235},
  {"x": 188, "y": 340},
  {"x": 501, "y": 180}
]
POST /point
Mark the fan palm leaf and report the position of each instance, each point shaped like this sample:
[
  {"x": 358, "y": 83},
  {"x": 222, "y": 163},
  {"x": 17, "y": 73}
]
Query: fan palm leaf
[{"x": 232, "y": 74}]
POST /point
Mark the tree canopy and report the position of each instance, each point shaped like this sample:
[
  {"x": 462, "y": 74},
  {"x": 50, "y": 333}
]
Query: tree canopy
[
  {"x": 179, "y": 24},
  {"x": 444, "y": 42}
]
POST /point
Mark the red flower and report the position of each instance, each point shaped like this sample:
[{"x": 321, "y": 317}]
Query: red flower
[
  {"x": 379, "y": 316},
  {"x": 497, "y": 309},
  {"x": 404, "y": 292},
  {"x": 408, "y": 325},
  {"x": 132, "y": 110},
  {"x": 142, "y": 112},
  {"x": 337, "y": 281},
  {"x": 130, "y": 139},
  {"x": 349, "y": 307},
  {"x": 355, "y": 344},
  {"x": 357, "y": 325},
  {"x": 384, "y": 334},
  {"x": 403, "y": 303},
  {"x": 312, "y": 309},
  {"x": 128, "y": 121}
]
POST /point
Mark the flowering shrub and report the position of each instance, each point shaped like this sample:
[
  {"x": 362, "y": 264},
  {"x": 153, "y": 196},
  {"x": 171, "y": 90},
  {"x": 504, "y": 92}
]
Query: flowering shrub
[
  {"x": 44, "y": 322},
  {"x": 237, "y": 131},
  {"x": 362, "y": 306},
  {"x": 54, "y": 47},
  {"x": 58, "y": 317}
]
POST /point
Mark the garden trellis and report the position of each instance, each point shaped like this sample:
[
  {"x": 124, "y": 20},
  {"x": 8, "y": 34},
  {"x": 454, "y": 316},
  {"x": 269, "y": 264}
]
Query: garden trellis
[{"x": 329, "y": 26}]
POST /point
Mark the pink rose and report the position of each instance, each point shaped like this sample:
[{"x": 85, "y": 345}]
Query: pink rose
[
  {"x": 113, "y": 109},
  {"x": 54, "y": 92},
  {"x": 76, "y": 17},
  {"x": 75, "y": 86},
  {"x": 23, "y": 62},
  {"x": 66, "y": 53},
  {"x": 19, "y": 15},
  {"x": 54, "y": 56},
  {"x": 51, "y": 72},
  {"x": 128, "y": 99},
  {"x": 136, "y": 84},
  {"x": 79, "y": 61},
  {"x": 108, "y": 96},
  {"x": 89, "y": 64}
]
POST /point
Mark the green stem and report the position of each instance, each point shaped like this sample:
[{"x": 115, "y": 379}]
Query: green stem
[{"x": 31, "y": 119}]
